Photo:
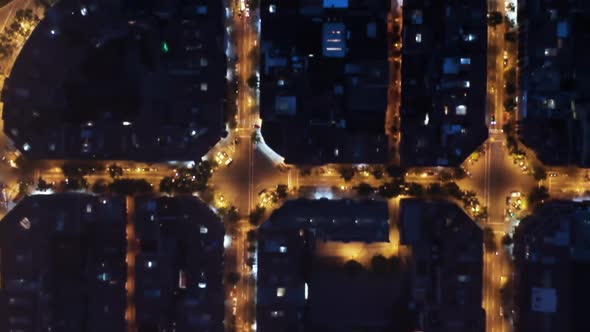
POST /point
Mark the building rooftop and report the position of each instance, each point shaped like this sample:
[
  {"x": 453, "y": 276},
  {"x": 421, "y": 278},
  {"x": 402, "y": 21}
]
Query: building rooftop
[
  {"x": 324, "y": 77},
  {"x": 555, "y": 80},
  {"x": 446, "y": 266},
  {"x": 335, "y": 220},
  {"x": 111, "y": 79},
  {"x": 444, "y": 66},
  {"x": 179, "y": 267},
  {"x": 551, "y": 249},
  {"x": 297, "y": 290},
  {"x": 63, "y": 264}
]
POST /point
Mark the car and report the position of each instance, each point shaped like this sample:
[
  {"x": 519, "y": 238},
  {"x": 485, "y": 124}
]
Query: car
[
  {"x": 493, "y": 120},
  {"x": 552, "y": 174},
  {"x": 223, "y": 158}
]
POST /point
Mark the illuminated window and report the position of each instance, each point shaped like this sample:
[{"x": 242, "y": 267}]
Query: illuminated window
[{"x": 281, "y": 291}]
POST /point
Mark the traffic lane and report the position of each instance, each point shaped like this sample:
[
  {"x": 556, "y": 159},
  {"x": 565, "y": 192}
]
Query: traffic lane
[{"x": 232, "y": 181}]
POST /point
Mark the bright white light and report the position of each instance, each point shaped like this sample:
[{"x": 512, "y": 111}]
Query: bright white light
[
  {"x": 46, "y": 192},
  {"x": 426, "y": 120},
  {"x": 202, "y": 285},
  {"x": 283, "y": 249},
  {"x": 52, "y": 32},
  {"x": 126, "y": 123},
  {"x": 193, "y": 132},
  {"x": 26, "y": 146},
  {"x": 204, "y": 230},
  {"x": 226, "y": 241},
  {"x": 306, "y": 291},
  {"x": 150, "y": 264},
  {"x": 83, "y": 11},
  {"x": 323, "y": 193}
]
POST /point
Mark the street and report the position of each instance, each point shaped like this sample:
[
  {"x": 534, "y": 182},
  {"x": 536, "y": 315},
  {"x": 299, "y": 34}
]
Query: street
[{"x": 254, "y": 168}]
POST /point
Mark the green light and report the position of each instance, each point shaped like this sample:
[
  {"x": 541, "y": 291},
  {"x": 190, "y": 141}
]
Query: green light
[{"x": 165, "y": 47}]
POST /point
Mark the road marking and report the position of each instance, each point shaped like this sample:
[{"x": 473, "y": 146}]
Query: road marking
[{"x": 7, "y": 17}]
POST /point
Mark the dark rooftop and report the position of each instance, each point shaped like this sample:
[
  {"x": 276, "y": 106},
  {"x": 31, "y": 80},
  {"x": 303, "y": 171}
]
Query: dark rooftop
[
  {"x": 447, "y": 266},
  {"x": 63, "y": 264},
  {"x": 555, "y": 80},
  {"x": 139, "y": 80},
  {"x": 334, "y": 220},
  {"x": 323, "y": 80},
  {"x": 552, "y": 253},
  {"x": 179, "y": 282},
  {"x": 288, "y": 269},
  {"x": 444, "y": 65}
]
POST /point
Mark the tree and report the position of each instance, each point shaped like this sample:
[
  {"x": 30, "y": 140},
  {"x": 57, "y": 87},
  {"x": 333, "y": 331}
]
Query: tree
[
  {"x": 507, "y": 240},
  {"x": 379, "y": 264},
  {"x": 77, "y": 169},
  {"x": 167, "y": 185},
  {"x": 100, "y": 187},
  {"x": 305, "y": 171},
  {"x": 232, "y": 215},
  {"x": 250, "y": 262},
  {"x": 233, "y": 277},
  {"x": 510, "y": 88},
  {"x": 445, "y": 176},
  {"x": 435, "y": 189},
  {"x": 26, "y": 166},
  {"x": 188, "y": 180},
  {"x": 415, "y": 189},
  {"x": 459, "y": 173},
  {"x": 510, "y": 104},
  {"x": 256, "y": 215},
  {"x": 252, "y": 235},
  {"x": 353, "y": 267},
  {"x": 395, "y": 171},
  {"x": 255, "y": 138},
  {"x": 539, "y": 172},
  {"x": 453, "y": 190},
  {"x": 130, "y": 187},
  {"x": 282, "y": 191},
  {"x": 365, "y": 189},
  {"x": 489, "y": 240},
  {"x": 508, "y": 128},
  {"x": 75, "y": 183},
  {"x": 115, "y": 171},
  {"x": 389, "y": 190},
  {"x": 252, "y": 81},
  {"x": 538, "y": 195},
  {"x": 347, "y": 173},
  {"x": 377, "y": 172},
  {"x": 495, "y": 18},
  {"x": 507, "y": 297},
  {"x": 43, "y": 185},
  {"x": 511, "y": 36},
  {"x": 512, "y": 144},
  {"x": 395, "y": 264}
]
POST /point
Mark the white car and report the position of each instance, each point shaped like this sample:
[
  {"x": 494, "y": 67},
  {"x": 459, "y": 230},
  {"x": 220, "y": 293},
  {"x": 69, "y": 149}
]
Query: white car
[{"x": 222, "y": 158}]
